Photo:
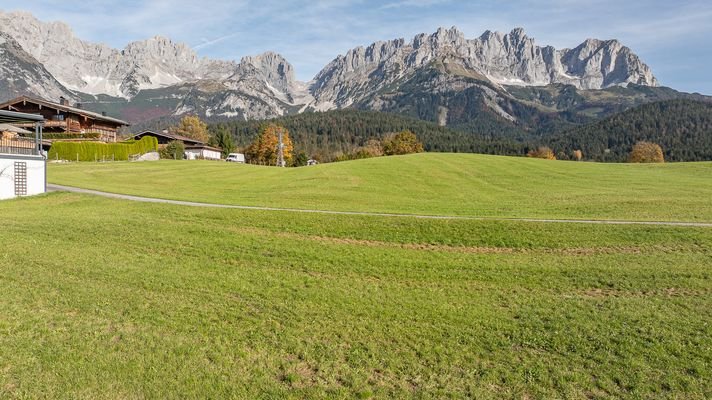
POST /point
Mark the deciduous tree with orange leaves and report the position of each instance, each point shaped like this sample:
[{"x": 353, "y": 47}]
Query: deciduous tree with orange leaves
[
  {"x": 264, "y": 150},
  {"x": 193, "y": 127},
  {"x": 542, "y": 152},
  {"x": 646, "y": 152},
  {"x": 402, "y": 143}
]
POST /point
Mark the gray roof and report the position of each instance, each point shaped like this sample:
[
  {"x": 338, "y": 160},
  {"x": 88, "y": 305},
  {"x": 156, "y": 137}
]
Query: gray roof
[
  {"x": 11, "y": 128},
  {"x": 170, "y": 135},
  {"x": 16, "y": 117}
]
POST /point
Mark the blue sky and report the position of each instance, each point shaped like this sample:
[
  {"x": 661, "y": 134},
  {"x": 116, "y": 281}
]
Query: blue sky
[{"x": 673, "y": 37}]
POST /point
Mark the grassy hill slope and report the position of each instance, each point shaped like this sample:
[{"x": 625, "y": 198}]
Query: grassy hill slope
[{"x": 438, "y": 184}]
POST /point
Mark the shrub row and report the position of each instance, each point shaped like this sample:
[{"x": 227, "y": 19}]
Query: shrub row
[{"x": 96, "y": 151}]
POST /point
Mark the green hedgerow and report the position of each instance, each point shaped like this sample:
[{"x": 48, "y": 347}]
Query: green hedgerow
[{"x": 95, "y": 151}]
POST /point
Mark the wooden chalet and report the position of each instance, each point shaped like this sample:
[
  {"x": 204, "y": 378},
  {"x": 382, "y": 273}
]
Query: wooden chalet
[{"x": 73, "y": 122}]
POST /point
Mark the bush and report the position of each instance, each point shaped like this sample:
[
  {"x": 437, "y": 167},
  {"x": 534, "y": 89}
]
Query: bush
[
  {"x": 300, "y": 160},
  {"x": 97, "y": 151},
  {"x": 646, "y": 152},
  {"x": 402, "y": 143},
  {"x": 174, "y": 150},
  {"x": 542, "y": 152}
]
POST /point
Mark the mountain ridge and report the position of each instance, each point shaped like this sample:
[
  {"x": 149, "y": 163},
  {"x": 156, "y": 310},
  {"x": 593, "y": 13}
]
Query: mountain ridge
[
  {"x": 496, "y": 84},
  {"x": 96, "y": 68}
]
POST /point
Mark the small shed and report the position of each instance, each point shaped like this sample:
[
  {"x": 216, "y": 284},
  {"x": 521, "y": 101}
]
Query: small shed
[{"x": 23, "y": 167}]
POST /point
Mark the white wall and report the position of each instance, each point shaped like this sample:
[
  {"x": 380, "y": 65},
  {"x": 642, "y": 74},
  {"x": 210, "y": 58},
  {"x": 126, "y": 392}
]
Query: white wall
[
  {"x": 36, "y": 167},
  {"x": 192, "y": 154},
  {"x": 212, "y": 154}
]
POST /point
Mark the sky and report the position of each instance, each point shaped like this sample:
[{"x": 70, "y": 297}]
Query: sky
[{"x": 672, "y": 37}]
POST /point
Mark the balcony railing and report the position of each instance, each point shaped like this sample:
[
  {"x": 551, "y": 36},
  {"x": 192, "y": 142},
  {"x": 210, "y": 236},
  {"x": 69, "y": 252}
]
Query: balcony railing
[
  {"x": 19, "y": 146},
  {"x": 47, "y": 124}
]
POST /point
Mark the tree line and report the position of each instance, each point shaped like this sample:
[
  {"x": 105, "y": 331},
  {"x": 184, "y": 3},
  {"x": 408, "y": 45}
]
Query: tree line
[
  {"x": 682, "y": 129},
  {"x": 334, "y": 135}
]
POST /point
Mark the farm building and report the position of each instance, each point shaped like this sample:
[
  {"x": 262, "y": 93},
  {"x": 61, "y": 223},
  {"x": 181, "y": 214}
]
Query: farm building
[
  {"x": 202, "y": 152},
  {"x": 23, "y": 168},
  {"x": 66, "y": 122},
  {"x": 194, "y": 149},
  {"x": 165, "y": 137}
]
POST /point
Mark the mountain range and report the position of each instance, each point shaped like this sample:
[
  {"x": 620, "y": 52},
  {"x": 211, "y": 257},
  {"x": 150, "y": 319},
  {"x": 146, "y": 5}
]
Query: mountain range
[{"x": 495, "y": 84}]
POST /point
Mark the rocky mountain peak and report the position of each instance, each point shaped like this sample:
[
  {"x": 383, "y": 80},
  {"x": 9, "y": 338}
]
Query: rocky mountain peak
[
  {"x": 272, "y": 65},
  {"x": 506, "y": 59},
  {"x": 447, "y": 37},
  {"x": 518, "y": 33},
  {"x": 267, "y": 81},
  {"x": 23, "y": 75},
  {"x": 273, "y": 69},
  {"x": 176, "y": 58}
]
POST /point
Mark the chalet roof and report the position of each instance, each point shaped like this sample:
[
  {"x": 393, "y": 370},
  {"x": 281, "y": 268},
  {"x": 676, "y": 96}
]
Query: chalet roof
[
  {"x": 202, "y": 146},
  {"x": 70, "y": 109},
  {"x": 172, "y": 136}
]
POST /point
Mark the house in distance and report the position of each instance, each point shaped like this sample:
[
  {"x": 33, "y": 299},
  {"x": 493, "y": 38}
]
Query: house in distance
[
  {"x": 66, "y": 122},
  {"x": 194, "y": 149}
]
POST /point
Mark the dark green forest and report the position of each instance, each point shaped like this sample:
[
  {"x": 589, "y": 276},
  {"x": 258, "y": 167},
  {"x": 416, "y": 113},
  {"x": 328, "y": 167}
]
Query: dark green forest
[
  {"x": 683, "y": 128},
  {"x": 327, "y": 135}
]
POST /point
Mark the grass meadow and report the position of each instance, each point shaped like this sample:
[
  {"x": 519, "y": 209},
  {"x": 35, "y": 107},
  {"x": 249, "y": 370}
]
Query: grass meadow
[
  {"x": 439, "y": 184},
  {"x": 111, "y": 299}
]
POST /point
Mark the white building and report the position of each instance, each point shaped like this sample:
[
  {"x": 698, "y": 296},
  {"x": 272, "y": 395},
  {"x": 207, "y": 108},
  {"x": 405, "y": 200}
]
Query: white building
[
  {"x": 23, "y": 167},
  {"x": 202, "y": 152}
]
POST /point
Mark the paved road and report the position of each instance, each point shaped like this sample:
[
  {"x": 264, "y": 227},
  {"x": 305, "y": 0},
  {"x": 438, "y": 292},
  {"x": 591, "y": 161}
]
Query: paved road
[{"x": 60, "y": 188}]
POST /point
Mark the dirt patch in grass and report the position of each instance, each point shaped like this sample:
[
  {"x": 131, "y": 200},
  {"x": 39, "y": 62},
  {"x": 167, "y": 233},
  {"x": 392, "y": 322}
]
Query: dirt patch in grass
[
  {"x": 566, "y": 251},
  {"x": 663, "y": 292},
  {"x": 578, "y": 251}
]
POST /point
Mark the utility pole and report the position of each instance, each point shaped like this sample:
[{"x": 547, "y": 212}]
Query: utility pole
[{"x": 280, "y": 150}]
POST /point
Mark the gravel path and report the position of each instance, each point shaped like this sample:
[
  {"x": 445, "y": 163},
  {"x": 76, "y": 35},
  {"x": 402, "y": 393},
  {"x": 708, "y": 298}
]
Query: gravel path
[{"x": 60, "y": 188}]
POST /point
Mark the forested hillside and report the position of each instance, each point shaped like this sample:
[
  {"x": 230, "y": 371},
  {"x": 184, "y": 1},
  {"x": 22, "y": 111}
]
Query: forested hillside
[
  {"x": 331, "y": 133},
  {"x": 682, "y": 127}
]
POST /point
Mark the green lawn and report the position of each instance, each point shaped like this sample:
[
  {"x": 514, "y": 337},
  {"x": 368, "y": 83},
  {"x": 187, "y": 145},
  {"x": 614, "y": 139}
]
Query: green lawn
[
  {"x": 442, "y": 184},
  {"x": 111, "y": 299}
]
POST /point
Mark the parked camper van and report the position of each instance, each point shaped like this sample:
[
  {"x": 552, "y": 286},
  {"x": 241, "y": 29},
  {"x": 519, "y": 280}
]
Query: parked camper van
[{"x": 235, "y": 157}]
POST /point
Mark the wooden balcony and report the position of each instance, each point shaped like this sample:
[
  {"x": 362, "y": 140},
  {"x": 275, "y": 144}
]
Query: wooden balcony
[{"x": 47, "y": 124}]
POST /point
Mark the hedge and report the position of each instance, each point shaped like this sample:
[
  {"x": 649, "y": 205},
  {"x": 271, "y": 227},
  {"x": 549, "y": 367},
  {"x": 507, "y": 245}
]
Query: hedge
[{"x": 98, "y": 151}]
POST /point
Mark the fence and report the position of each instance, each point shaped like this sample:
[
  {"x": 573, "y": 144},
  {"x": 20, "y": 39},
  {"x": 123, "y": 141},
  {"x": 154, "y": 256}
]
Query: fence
[{"x": 19, "y": 145}]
